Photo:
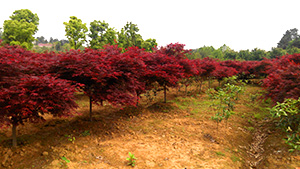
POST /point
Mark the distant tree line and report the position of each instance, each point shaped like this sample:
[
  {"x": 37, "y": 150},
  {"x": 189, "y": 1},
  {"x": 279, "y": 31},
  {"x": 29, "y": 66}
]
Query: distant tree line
[
  {"x": 56, "y": 45},
  {"x": 289, "y": 44},
  {"x": 100, "y": 34},
  {"x": 23, "y": 24}
]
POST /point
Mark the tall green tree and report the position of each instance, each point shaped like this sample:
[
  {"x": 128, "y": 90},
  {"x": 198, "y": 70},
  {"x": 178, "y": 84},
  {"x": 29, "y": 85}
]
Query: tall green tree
[
  {"x": 110, "y": 36},
  {"x": 294, "y": 43},
  {"x": 131, "y": 33},
  {"x": 122, "y": 39},
  {"x": 128, "y": 36},
  {"x": 27, "y": 15},
  {"x": 101, "y": 34},
  {"x": 287, "y": 37},
  {"x": 21, "y": 28},
  {"x": 75, "y": 32}
]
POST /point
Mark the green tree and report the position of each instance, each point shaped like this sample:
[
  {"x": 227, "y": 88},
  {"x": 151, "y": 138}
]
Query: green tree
[
  {"x": 193, "y": 54},
  {"x": 122, "y": 38},
  {"x": 227, "y": 53},
  {"x": 75, "y": 32},
  {"x": 206, "y": 51},
  {"x": 41, "y": 39},
  {"x": 287, "y": 37},
  {"x": 129, "y": 36},
  {"x": 27, "y": 15},
  {"x": 291, "y": 50},
  {"x": 101, "y": 34},
  {"x": 231, "y": 55},
  {"x": 218, "y": 54},
  {"x": 55, "y": 40},
  {"x": 110, "y": 36},
  {"x": 19, "y": 33},
  {"x": 57, "y": 45},
  {"x": 276, "y": 52},
  {"x": 245, "y": 54},
  {"x": 66, "y": 47},
  {"x": 258, "y": 54},
  {"x": 21, "y": 28},
  {"x": 294, "y": 43},
  {"x": 149, "y": 44}
]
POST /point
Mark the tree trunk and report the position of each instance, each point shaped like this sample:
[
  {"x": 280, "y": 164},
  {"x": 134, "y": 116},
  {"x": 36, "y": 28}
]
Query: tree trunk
[
  {"x": 91, "y": 109},
  {"x": 165, "y": 94},
  {"x": 209, "y": 82},
  {"x": 14, "y": 134}
]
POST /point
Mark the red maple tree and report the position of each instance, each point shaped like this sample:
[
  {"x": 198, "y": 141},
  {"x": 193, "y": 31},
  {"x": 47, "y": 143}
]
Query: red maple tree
[{"x": 27, "y": 93}]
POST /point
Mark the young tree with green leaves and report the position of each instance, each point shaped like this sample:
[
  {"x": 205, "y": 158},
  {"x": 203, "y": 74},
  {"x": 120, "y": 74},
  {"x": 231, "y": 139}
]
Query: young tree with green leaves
[
  {"x": 101, "y": 34},
  {"x": 21, "y": 28},
  {"x": 75, "y": 32},
  {"x": 131, "y": 33},
  {"x": 128, "y": 36}
]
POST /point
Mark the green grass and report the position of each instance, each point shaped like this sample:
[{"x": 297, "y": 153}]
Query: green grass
[
  {"x": 219, "y": 153},
  {"x": 195, "y": 106},
  {"x": 235, "y": 158},
  {"x": 249, "y": 128}
]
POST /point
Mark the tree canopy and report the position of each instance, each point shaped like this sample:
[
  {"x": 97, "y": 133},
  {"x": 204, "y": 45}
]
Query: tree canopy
[
  {"x": 101, "y": 34},
  {"x": 21, "y": 28},
  {"x": 27, "y": 15},
  {"x": 76, "y": 32},
  {"x": 289, "y": 36}
]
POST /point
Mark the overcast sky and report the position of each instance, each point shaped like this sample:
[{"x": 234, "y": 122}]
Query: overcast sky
[{"x": 240, "y": 24}]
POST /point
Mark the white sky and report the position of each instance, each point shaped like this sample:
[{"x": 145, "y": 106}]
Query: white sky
[{"x": 240, "y": 24}]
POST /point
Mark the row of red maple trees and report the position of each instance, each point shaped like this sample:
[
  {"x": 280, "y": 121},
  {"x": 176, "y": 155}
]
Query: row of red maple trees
[{"x": 32, "y": 84}]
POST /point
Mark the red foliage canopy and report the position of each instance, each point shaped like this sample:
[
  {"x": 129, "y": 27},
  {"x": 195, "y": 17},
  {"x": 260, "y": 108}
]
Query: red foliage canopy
[
  {"x": 104, "y": 75},
  {"x": 284, "y": 79},
  {"x": 26, "y": 92},
  {"x": 223, "y": 71}
]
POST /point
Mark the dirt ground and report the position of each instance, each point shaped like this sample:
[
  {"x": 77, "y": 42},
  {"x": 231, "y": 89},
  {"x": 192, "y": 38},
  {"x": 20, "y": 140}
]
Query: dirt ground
[{"x": 177, "y": 134}]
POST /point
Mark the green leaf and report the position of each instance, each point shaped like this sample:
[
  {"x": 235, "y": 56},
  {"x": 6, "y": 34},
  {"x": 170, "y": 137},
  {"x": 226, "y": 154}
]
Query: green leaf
[{"x": 65, "y": 159}]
